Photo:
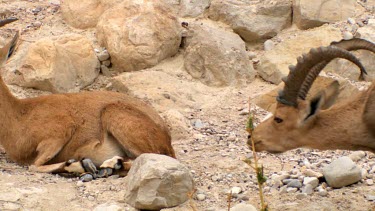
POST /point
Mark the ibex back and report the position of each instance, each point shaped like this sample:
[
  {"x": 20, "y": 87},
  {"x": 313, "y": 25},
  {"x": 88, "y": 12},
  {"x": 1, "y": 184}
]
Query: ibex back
[
  {"x": 319, "y": 123},
  {"x": 107, "y": 127}
]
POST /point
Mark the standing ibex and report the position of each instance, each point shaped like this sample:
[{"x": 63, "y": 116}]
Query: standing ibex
[
  {"x": 50, "y": 132},
  {"x": 313, "y": 123}
]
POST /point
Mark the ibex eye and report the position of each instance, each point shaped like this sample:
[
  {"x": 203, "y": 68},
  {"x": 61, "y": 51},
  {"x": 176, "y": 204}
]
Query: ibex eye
[{"x": 278, "y": 120}]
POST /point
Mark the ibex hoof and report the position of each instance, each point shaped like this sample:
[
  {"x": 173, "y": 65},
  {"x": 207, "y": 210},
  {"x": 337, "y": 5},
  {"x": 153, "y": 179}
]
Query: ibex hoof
[
  {"x": 114, "y": 163},
  {"x": 87, "y": 177},
  {"x": 105, "y": 172},
  {"x": 89, "y": 166}
]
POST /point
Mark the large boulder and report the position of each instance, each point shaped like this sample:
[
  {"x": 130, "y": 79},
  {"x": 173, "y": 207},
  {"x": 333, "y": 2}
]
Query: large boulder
[
  {"x": 308, "y": 14},
  {"x": 253, "y": 21},
  {"x": 85, "y": 14},
  {"x": 157, "y": 181},
  {"x": 274, "y": 63},
  {"x": 220, "y": 60},
  {"x": 60, "y": 64},
  {"x": 349, "y": 70},
  {"x": 139, "y": 34},
  {"x": 162, "y": 90},
  {"x": 268, "y": 101},
  {"x": 193, "y": 8}
]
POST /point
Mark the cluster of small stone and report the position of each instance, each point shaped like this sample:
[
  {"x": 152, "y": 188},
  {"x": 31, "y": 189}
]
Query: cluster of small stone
[{"x": 105, "y": 61}]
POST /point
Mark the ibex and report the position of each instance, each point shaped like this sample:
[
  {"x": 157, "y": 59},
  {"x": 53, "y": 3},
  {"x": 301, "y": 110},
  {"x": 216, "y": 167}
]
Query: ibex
[
  {"x": 319, "y": 123},
  {"x": 78, "y": 132}
]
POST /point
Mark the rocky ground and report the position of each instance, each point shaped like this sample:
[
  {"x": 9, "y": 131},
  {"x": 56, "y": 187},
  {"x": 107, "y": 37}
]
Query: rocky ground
[{"x": 212, "y": 144}]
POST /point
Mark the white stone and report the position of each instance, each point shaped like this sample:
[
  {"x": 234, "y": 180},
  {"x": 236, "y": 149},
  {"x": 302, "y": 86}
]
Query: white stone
[
  {"x": 313, "y": 181},
  {"x": 342, "y": 172}
]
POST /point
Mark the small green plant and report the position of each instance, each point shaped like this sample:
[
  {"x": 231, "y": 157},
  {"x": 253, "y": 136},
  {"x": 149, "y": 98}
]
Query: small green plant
[{"x": 261, "y": 179}]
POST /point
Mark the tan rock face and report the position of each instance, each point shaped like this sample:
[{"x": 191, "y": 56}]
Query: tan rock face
[
  {"x": 61, "y": 64},
  {"x": 253, "y": 21},
  {"x": 138, "y": 34},
  {"x": 217, "y": 57},
  {"x": 85, "y": 14},
  {"x": 274, "y": 63},
  {"x": 308, "y": 14},
  {"x": 268, "y": 100}
]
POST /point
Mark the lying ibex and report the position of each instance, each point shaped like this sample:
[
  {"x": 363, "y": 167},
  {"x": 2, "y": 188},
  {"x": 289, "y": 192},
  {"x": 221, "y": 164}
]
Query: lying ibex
[
  {"x": 48, "y": 131},
  {"x": 297, "y": 122}
]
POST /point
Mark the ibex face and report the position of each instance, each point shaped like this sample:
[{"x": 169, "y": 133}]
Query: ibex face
[
  {"x": 288, "y": 127},
  {"x": 298, "y": 122}
]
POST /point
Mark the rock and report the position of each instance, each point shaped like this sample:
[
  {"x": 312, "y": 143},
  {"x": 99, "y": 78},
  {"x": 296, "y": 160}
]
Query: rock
[
  {"x": 311, "y": 173},
  {"x": 104, "y": 55},
  {"x": 274, "y": 63},
  {"x": 369, "y": 182},
  {"x": 367, "y": 58},
  {"x": 177, "y": 123},
  {"x": 347, "y": 35},
  {"x": 236, "y": 190},
  {"x": 108, "y": 207},
  {"x": 80, "y": 184},
  {"x": 60, "y": 64},
  {"x": 268, "y": 101},
  {"x": 322, "y": 192},
  {"x": 157, "y": 181},
  {"x": 269, "y": 45},
  {"x": 313, "y": 181},
  {"x": 163, "y": 90},
  {"x": 201, "y": 197},
  {"x": 358, "y": 155},
  {"x": 283, "y": 189},
  {"x": 291, "y": 190},
  {"x": 85, "y": 14},
  {"x": 342, "y": 172},
  {"x": 253, "y": 22},
  {"x": 219, "y": 61},
  {"x": 243, "y": 207},
  {"x": 364, "y": 173},
  {"x": 193, "y": 8},
  {"x": 370, "y": 197},
  {"x": 308, "y": 189},
  {"x": 133, "y": 41},
  {"x": 294, "y": 183},
  {"x": 300, "y": 196},
  {"x": 308, "y": 14}
]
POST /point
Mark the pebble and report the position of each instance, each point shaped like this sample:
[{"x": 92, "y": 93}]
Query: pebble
[
  {"x": 243, "y": 207},
  {"x": 283, "y": 189},
  {"x": 106, "y": 63},
  {"x": 201, "y": 197},
  {"x": 322, "y": 192},
  {"x": 86, "y": 178},
  {"x": 80, "y": 183},
  {"x": 37, "y": 24},
  {"x": 358, "y": 155},
  {"x": 347, "y": 35},
  {"x": 251, "y": 54},
  {"x": 351, "y": 21},
  {"x": 291, "y": 190},
  {"x": 294, "y": 183},
  {"x": 372, "y": 170},
  {"x": 364, "y": 173},
  {"x": 308, "y": 189},
  {"x": 311, "y": 173},
  {"x": 269, "y": 45},
  {"x": 300, "y": 196},
  {"x": 313, "y": 181},
  {"x": 91, "y": 198},
  {"x": 369, "y": 182},
  {"x": 236, "y": 190},
  {"x": 370, "y": 197}
]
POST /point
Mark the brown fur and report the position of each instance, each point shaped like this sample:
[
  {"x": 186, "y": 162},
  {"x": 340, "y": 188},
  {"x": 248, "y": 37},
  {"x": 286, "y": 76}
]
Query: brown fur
[
  {"x": 349, "y": 125},
  {"x": 96, "y": 125}
]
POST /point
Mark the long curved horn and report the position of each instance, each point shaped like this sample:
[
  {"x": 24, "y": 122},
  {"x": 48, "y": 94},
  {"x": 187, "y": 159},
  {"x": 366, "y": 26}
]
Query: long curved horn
[
  {"x": 6, "y": 21},
  {"x": 350, "y": 45},
  {"x": 298, "y": 73}
]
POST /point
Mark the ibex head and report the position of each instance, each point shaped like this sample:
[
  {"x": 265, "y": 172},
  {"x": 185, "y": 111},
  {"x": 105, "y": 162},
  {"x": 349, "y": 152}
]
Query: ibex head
[{"x": 295, "y": 117}]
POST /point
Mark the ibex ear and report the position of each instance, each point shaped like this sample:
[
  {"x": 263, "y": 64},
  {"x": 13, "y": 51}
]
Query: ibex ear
[{"x": 324, "y": 99}]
